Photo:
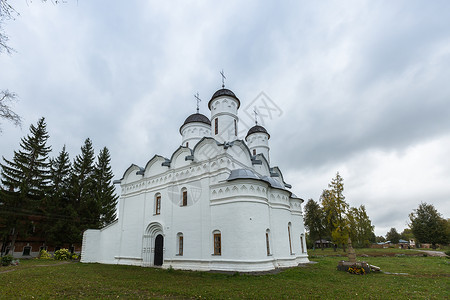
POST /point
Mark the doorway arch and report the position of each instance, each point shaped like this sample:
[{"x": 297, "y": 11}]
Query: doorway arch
[{"x": 153, "y": 233}]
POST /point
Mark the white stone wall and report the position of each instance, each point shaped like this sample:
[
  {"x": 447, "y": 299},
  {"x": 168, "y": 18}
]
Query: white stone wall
[
  {"x": 260, "y": 142},
  {"x": 243, "y": 210},
  {"x": 225, "y": 110}
]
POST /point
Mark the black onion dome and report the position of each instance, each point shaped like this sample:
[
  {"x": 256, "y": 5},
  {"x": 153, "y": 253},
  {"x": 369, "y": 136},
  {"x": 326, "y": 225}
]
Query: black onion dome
[
  {"x": 257, "y": 129},
  {"x": 196, "y": 118},
  {"x": 224, "y": 92}
]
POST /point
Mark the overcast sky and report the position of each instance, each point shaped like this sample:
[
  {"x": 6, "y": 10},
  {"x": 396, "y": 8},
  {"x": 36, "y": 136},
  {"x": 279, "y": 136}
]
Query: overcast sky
[{"x": 359, "y": 87}]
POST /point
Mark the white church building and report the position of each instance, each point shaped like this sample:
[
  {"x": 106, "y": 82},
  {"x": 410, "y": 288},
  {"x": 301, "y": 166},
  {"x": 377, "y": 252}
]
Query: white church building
[{"x": 215, "y": 204}]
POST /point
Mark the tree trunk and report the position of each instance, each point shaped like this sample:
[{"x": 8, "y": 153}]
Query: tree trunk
[{"x": 13, "y": 241}]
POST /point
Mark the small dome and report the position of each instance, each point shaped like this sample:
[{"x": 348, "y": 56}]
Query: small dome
[
  {"x": 196, "y": 118},
  {"x": 224, "y": 92},
  {"x": 257, "y": 129}
]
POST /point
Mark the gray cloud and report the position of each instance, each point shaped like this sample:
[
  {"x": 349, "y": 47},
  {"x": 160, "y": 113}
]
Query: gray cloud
[{"x": 361, "y": 85}]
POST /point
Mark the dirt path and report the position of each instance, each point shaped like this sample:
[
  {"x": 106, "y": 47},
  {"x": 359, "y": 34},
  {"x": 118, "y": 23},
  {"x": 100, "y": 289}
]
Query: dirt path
[
  {"x": 433, "y": 253},
  {"x": 36, "y": 266}
]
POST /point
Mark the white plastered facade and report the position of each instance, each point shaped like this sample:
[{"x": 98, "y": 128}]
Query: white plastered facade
[{"x": 210, "y": 206}]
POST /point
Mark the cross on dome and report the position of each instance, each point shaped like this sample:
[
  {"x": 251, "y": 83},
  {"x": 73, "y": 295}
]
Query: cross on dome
[
  {"x": 256, "y": 115},
  {"x": 198, "y": 101},
  {"x": 223, "y": 79}
]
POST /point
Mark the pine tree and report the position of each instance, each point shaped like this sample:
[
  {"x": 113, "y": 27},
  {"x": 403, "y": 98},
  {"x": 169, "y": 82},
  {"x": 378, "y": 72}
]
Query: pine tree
[
  {"x": 104, "y": 189},
  {"x": 82, "y": 189},
  {"x": 25, "y": 180}
]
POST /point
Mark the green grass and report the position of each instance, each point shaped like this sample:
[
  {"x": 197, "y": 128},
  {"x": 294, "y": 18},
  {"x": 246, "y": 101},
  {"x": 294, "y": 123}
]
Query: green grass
[{"x": 428, "y": 278}]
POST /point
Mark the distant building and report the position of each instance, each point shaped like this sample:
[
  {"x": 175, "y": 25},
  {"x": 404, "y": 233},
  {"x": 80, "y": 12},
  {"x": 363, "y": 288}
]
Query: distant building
[{"x": 216, "y": 204}]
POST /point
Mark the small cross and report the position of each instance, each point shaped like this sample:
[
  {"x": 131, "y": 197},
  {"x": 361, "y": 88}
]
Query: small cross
[
  {"x": 256, "y": 115},
  {"x": 198, "y": 101},
  {"x": 223, "y": 79}
]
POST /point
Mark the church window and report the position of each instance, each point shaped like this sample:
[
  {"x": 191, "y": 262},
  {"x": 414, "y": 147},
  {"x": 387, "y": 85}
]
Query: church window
[
  {"x": 26, "y": 250},
  {"x": 180, "y": 243},
  {"x": 217, "y": 243},
  {"x": 216, "y": 126},
  {"x": 157, "y": 204},
  {"x": 187, "y": 144},
  {"x": 184, "y": 197},
  {"x": 289, "y": 235},
  {"x": 254, "y": 151},
  {"x": 235, "y": 128},
  {"x": 301, "y": 243},
  {"x": 268, "y": 242}
]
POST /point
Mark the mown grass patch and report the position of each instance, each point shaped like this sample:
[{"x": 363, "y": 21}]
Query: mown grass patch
[{"x": 428, "y": 278}]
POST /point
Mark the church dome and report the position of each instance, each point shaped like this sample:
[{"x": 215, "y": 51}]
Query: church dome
[
  {"x": 196, "y": 118},
  {"x": 224, "y": 92},
  {"x": 257, "y": 129}
]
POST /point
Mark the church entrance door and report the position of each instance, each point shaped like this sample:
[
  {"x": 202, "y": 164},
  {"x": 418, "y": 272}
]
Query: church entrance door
[{"x": 159, "y": 245}]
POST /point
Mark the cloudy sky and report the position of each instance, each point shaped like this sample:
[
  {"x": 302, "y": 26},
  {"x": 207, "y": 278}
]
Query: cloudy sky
[{"x": 359, "y": 87}]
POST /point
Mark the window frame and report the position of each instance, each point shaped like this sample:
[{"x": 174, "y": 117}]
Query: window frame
[
  {"x": 290, "y": 242},
  {"x": 184, "y": 197},
  {"x": 301, "y": 243},
  {"x": 180, "y": 244},
  {"x": 268, "y": 243},
  {"x": 217, "y": 243},
  {"x": 158, "y": 204}
]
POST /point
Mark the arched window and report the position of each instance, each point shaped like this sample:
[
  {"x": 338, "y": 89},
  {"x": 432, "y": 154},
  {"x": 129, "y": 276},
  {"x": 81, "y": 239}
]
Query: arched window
[
  {"x": 268, "y": 241},
  {"x": 184, "y": 197},
  {"x": 289, "y": 234},
  {"x": 187, "y": 144},
  {"x": 301, "y": 243},
  {"x": 235, "y": 128},
  {"x": 217, "y": 240},
  {"x": 254, "y": 151},
  {"x": 157, "y": 204},
  {"x": 180, "y": 243},
  {"x": 216, "y": 126}
]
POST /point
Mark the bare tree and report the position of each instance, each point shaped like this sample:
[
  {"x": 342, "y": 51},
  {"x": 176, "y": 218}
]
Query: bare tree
[
  {"x": 6, "y": 97},
  {"x": 7, "y": 12}
]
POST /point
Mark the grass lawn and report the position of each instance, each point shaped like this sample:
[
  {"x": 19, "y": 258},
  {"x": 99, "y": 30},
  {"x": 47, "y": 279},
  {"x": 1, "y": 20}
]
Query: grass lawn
[{"x": 428, "y": 277}]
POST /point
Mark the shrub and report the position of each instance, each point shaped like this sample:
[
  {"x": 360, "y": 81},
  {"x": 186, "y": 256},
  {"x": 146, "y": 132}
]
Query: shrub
[
  {"x": 447, "y": 252},
  {"x": 43, "y": 254},
  {"x": 7, "y": 259},
  {"x": 62, "y": 254}
]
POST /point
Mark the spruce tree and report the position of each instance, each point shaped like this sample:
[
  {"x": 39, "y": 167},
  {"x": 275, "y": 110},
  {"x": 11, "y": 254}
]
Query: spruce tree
[
  {"x": 82, "y": 189},
  {"x": 25, "y": 180},
  {"x": 104, "y": 189},
  {"x": 314, "y": 220},
  {"x": 59, "y": 210}
]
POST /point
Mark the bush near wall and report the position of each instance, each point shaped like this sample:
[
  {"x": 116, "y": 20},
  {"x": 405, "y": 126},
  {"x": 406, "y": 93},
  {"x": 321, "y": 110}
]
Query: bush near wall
[{"x": 7, "y": 259}]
